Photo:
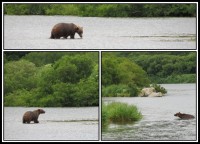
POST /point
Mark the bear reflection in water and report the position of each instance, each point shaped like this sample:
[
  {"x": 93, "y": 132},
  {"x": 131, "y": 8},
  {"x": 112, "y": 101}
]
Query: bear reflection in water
[{"x": 184, "y": 116}]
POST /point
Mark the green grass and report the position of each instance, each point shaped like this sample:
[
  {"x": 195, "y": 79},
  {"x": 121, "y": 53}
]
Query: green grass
[
  {"x": 104, "y": 116},
  {"x": 121, "y": 113}
]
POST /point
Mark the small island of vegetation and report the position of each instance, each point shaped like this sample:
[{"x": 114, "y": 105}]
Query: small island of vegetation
[{"x": 117, "y": 112}]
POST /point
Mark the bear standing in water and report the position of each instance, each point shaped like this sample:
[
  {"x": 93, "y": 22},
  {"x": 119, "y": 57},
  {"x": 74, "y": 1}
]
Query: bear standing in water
[
  {"x": 184, "y": 116},
  {"x": 32, "y": 116},
  {"x": 66, "y": 29}
]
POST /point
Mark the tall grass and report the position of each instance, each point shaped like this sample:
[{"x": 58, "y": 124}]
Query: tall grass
[
  {"x": 117, "y": 112},
  {"x": 104, "y": 116}
]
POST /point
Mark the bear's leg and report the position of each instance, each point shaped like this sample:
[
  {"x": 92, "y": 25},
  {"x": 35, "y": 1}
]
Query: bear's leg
[
  {"x": 56, "y": 36},
  {"x": 52, "y": 36},
  {"x": 72, "y": 36},
  {"x": 36, "y": 121}
]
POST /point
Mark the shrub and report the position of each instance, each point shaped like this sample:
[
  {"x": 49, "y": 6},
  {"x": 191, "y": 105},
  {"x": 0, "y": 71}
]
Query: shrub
[
  {"x": 158, "y": 88},
  {"x": 116, "y": 91},
  {"x": 117, "y": 112},
  {"x": 120, "y": 90}
]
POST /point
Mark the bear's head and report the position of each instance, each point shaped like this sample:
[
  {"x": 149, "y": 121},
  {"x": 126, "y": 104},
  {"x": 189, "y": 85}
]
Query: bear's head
[
  {"x": 177, "y": 114},
  {"x": 41, "y": 111},
  {"x": 79, "y": 30}
]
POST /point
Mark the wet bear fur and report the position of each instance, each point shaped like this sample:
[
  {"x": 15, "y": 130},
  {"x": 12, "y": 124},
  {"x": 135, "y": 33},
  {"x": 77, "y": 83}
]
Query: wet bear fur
[
  {"x": 32, "y": 116},
  {"x": 66, "y": 29},
  {"x": 184, "y": 116}
]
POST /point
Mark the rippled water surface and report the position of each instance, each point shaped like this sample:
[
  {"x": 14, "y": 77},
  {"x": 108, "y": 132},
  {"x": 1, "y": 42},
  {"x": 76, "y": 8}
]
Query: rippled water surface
[
  {"x": 159, "y": 122},
  {"x": 55, "y": 124},
  {"x": 33, "y": 32}
]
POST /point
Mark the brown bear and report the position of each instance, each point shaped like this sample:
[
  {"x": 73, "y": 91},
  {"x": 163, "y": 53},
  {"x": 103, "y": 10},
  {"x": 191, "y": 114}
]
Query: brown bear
[
  {"x": 32, "y": 116},
  {"x": 66, "y": 29},
  {"x": 184, "y": 116}
]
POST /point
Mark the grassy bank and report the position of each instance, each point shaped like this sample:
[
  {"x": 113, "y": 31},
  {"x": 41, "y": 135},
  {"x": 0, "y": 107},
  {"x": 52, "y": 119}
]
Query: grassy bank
[{"x": 117, "y": 112}]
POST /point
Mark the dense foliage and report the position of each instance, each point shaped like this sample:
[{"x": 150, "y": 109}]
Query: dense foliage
[
  {"x": 51, "y": 79},
  {"x": 117, "y": 112},
  {"x": 121, "y": 77},
  {"x": 158, "y": 88},
  {"x": 103, "y": 10},
  {"x": 124, "y": 74},
  {"x": 165, "y": 67}
]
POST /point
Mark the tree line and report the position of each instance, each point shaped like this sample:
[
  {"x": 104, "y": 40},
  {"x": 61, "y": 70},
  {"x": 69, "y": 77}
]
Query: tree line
[
  {"x": 121, "y": 77},
  {"x": 126, "y": 73},
  {"x": 51, "y": 79},
  {"x": 165, "y": 67},
  {"x": 104, "y": 10},
  {"x": 55, "y": 79}
]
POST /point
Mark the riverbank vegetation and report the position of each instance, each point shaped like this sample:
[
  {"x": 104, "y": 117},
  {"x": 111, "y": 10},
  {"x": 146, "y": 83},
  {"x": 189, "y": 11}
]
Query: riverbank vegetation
[
  {"x": 165, "y": 67},
  {"x": 104, "y": 10},
  {"x": 124, "y": 74},
  {"x": 121, "y": 77},
  {"x": 51, "y": 79},
  {"x": 121, "y": 113}
]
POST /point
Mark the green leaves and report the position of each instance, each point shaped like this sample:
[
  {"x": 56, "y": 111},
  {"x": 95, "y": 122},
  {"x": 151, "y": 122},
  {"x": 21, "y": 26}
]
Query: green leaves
[
  {"x": 68, "y": 79},
  {"x": 121, "y": 77},
  {"x": 19, "y": 75},
  {"x": 103, "y": 10}
]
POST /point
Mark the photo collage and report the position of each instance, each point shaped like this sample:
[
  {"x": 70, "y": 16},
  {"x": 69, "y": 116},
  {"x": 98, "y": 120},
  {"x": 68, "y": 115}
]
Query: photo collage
[{"x": 100, "y": 72}]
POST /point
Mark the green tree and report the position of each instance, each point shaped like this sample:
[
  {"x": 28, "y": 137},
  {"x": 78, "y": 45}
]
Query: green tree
[
  {"x": 19, "y": 75},
  {"x": 51, "y": 79},
  {"x": 131, "y": 73},
  {"x": 72, "y": 69},
  {"x": 109, "y": 71},
  {"x": 161, "y": 65},
  {"x": 103, "y": 10},
  {"x": 117, "y": 70},
  {"x": 121, "y": 77}
]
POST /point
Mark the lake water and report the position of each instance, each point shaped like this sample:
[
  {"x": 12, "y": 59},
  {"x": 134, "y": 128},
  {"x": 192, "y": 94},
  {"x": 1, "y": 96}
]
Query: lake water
[
  {"x": 56, "y": 124},
  {"x": 159, "y": 122},
  {"x": 33, "y": 32}
]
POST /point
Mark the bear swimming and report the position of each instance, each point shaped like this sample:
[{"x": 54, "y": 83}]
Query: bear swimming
[
  {"x": 184, "y": 116},
  {"x": 32, "y": 116},
  {"x": 66, "y": 29}
]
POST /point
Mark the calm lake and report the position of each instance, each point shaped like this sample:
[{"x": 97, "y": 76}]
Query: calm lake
[
  {"x": 33, "y": 32},
  {"x": 159, "y": 122},
  {"x": 56, "y": 124}
]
